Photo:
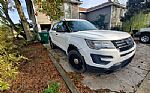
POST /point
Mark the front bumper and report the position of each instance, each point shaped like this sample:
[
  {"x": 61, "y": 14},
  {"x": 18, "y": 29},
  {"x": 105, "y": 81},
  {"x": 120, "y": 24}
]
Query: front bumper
[
  {"x": 113, "y": 57},
  {"x": 111, "y": 69}
]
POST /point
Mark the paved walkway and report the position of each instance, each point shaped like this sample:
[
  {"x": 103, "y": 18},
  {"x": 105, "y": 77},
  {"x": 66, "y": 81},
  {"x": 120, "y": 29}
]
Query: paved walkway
[{"x": 145, "y": 86}]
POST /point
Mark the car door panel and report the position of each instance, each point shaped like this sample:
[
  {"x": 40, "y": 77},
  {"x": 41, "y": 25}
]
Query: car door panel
[
  {"x": 53, "y": 34},
  {"x": 59, "y": 35},
  {"x": 62, "y": 36}
]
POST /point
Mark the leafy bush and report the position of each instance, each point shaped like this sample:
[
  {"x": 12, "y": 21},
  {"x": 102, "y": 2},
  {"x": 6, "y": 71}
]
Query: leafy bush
[
  {"x": 52, "y": 88},
  {"x": 9, "y": 58},
  {"x": 137, "y": 22}
]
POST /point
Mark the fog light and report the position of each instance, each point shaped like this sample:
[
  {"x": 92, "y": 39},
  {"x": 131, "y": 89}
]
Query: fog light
[{"x": 97, "y": 59}]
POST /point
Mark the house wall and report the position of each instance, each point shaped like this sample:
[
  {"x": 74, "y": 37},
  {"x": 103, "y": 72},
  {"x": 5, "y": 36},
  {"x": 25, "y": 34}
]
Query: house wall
[
  {"x": 82, "y": 15},
  {"x": 113, "y": 14},
  {"x": 31, "y": 13},
  {"x": 93, "y": 15},
  {"x": 67, "y": 10},
  {"x": 71, "y": 10},
  {"x": 75, "y": 11},
  {"x": 117, "y": 12},
  {"x": 42, "y": 18}
]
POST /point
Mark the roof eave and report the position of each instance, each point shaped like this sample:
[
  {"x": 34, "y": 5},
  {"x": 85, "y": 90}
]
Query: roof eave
[
  {"x": 106, "y": 5},
  {"x": 75, "y": 2}
]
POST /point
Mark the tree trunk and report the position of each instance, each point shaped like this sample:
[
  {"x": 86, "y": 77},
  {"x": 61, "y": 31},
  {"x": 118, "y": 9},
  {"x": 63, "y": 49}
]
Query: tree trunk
[
  {"x": 12, "y": 25},
  {"x": 23, "y": 20},
  {"x": 8, "y": 19}
]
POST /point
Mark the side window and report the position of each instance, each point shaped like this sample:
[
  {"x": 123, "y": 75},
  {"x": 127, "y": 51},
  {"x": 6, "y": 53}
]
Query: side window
[
  {"x": 55, "y": 27},
  {"x": 61, "y": 27}
]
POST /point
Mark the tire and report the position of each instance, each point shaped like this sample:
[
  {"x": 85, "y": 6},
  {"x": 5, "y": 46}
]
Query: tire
[
  {"x": 52, "y": 45},
  {"x": 76, "y": 61},
  {"x": 145, "y": 38}
]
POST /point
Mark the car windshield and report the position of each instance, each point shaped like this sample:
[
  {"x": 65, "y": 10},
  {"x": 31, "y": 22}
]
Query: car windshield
[{"x": 80, "y": 26}]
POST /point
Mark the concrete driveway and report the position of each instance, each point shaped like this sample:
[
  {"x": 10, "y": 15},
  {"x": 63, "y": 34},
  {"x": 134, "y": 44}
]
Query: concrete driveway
[{"x": 133, "y": 78}]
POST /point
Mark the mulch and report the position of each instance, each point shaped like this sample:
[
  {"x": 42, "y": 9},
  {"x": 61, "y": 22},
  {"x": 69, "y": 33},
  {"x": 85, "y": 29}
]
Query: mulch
[
  {"x": 77, "y": 78},
  {"x": 35, "y": 73}
]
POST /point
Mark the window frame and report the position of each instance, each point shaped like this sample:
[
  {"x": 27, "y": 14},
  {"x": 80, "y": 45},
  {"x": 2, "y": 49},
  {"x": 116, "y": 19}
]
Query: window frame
[
  {"x": 54, "y": 26},
  {"x": 65, "y": 29}
]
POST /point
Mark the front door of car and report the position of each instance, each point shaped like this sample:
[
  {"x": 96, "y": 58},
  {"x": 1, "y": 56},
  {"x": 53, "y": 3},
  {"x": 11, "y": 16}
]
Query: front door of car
[{"x": 61, "y": 36}]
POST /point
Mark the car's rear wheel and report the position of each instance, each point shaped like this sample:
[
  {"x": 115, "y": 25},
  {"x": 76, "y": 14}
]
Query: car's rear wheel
[
  {"x": 145, "y": 38},
  {"x": 52, "y": 45},
  {"x": 76, "y": 61}
]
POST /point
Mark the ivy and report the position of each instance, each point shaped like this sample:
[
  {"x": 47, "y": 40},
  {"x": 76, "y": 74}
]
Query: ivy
[{"x": 52, "y": 88}]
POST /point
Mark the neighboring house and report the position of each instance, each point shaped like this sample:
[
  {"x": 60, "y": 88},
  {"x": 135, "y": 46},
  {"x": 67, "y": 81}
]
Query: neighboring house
[
  {"x": 41, "y": 21},
  {"x": 112, "y": 9}
]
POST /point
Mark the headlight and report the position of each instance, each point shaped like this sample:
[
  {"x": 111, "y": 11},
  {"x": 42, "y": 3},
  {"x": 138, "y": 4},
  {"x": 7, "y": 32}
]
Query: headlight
[{"x": 98, "y": 44}]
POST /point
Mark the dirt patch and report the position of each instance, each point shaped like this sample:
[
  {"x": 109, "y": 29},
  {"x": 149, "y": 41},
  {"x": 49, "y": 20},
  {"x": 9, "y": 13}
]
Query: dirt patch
[{"x": 35, "y": 73}]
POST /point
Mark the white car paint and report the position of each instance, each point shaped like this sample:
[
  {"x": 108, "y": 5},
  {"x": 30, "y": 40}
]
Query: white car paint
[{"x": 64, "y": 39}]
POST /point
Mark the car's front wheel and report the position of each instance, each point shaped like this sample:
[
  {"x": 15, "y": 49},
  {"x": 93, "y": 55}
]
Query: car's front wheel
[
  {"x": 145, "y": 38},
  {"x": 76, "y": 61}
]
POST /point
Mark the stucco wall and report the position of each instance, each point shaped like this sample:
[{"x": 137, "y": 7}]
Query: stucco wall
[
  {"x": 93, "y": 15},
  {"x": 75, "y": 11},
  {"x": 82, "y": 15},
  {"x": 43, "y": 19},
  {"x": 116, "y": 14}
]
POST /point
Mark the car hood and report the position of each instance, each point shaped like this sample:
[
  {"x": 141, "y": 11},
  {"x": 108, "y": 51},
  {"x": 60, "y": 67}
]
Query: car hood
[{"x": 101, "y": 35}]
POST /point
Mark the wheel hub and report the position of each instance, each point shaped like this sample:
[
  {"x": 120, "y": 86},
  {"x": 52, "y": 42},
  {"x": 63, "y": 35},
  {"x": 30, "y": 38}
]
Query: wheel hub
[
  {"x": 145, "y": 39},
  {"x": 76, "y": 61}
]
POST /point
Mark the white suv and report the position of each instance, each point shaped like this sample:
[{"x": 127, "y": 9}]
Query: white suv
[{"x": 91, "y": 49}]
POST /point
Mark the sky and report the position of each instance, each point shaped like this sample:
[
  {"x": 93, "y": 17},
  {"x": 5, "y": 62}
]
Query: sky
[
  {"x": 14, "y": 14},
  {"x": 86, "y": 4}
]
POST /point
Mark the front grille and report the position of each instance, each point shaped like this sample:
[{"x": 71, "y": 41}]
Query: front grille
[{"x": 124, "y": 44}]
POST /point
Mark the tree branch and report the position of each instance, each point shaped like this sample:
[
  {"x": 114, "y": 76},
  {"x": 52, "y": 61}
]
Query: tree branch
[{"x": 3, "y": 17}]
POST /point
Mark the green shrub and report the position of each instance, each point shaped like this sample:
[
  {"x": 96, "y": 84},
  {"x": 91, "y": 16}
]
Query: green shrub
[
  {"x": 52, "y": 88},
  {"x": 9, "y": 58},
  {"x": 137, "y": 22}
]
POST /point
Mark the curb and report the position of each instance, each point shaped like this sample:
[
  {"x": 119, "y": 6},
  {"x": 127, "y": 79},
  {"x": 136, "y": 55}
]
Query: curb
[{"x": 69, "y": 83}]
